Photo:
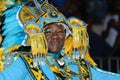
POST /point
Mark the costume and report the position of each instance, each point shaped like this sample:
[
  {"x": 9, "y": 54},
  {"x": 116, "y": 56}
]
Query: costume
[{"x": 24, "y": 27}]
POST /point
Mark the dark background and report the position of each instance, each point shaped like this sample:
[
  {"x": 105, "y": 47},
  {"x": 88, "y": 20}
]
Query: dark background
[{"x": 95, "y": 13}]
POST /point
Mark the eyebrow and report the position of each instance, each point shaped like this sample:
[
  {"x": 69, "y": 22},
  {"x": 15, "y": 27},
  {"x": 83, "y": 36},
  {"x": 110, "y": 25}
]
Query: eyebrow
[{"x": 47, "y": 26}]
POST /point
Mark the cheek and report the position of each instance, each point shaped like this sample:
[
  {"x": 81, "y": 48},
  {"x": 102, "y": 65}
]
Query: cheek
[
  {"x": 61, "y": 37},
  {"x": 48, "y": 40},
  {"x": 61, "y": 40},
  {"x": 47, "y": 37}
]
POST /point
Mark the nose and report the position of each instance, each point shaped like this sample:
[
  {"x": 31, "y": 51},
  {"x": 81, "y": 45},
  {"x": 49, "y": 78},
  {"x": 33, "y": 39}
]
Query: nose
[{"x": 55, "y": 35}]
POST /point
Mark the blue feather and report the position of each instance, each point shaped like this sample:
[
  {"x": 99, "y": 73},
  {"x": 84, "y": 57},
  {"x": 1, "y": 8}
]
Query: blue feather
[
  {"x": 6, "y": 31},
  {"x": 11, "y": 11},
  {"x": 10, "y": 15},
  {"x": 12, "y": 30},
  {"x": 10, "y": 19},
  {"x": 9, "y": 25},
  {"x": 13, "y": 42},
  {"x": 12, "y": 39},
  {"x": 6, "y": 39}
]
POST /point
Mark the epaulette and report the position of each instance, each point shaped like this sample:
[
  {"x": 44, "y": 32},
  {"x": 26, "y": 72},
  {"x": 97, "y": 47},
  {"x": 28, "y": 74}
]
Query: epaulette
[{"x": 7, "y": 59}]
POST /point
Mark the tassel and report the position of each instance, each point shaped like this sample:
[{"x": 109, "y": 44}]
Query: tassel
[
  {"x": 38, "y": 44},
  {"x": 39, "y": 47},
  {"x": 80, "y": 37},
  {"x": 88, "y": 57}
]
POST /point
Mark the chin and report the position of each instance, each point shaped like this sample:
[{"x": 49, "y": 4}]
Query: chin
[{"x": 53, "y": 51}]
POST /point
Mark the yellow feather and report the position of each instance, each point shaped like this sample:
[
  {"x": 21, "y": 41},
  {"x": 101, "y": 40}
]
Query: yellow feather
[
  {"x": 2, "y": 56},
  {"x": 68, "y": 45},
  {"x": 1, "y": 66},
  {"x": 88, "y": 57},
  {"x": 4, "y": 3}
]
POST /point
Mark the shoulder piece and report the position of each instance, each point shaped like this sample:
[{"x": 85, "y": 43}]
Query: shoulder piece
[{"x": 7, "y": 59}]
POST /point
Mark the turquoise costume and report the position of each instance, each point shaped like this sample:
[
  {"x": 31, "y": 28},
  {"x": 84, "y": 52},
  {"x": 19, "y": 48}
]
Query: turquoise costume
[{"x": 24, "y": 27}]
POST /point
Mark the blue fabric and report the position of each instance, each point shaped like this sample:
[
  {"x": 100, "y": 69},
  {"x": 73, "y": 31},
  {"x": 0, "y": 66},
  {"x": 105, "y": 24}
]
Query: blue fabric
[
  {"x": 55, "y": 56},
  {"x": 46, "y": 70},
  {"x": 75, "y": 78},
  {"x": 98, "y": 74},
  {"x": 74, "y": 68},
  {"x": 16, "y": 71}
]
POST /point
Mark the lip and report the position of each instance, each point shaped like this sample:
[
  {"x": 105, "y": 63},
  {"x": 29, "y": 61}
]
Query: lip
[{"x": 54, "y": 42}]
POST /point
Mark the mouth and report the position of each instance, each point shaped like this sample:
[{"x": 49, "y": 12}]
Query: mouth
[
  {"x": 54, "y": 46},
  {"x": 54, "y": 42}
]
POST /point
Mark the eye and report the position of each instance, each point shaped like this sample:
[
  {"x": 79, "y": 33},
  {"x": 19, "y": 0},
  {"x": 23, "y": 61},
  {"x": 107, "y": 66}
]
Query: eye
[
  {"x": 61, "y": 32},
  {"x": 48, "y": 32}
]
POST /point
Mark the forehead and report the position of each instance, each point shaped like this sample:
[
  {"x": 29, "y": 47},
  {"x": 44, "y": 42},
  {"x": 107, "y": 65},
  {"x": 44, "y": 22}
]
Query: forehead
[{"x": 54, "y": 26}]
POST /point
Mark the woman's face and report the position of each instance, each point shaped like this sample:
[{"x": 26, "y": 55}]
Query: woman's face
[{"x": 55, "y": 35}]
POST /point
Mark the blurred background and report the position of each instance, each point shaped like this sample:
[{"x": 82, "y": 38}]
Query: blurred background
[{"x": 103, "y": 19}]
